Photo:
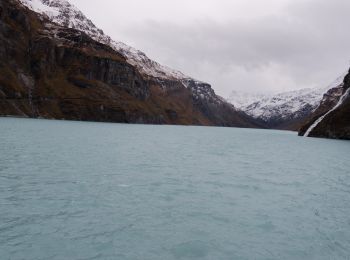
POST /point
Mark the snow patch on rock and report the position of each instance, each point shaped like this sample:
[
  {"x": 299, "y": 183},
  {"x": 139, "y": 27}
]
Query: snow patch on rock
[{"x": 67, "y": 15}]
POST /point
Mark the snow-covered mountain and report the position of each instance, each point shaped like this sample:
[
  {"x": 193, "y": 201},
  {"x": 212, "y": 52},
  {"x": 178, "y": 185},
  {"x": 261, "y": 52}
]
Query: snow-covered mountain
[
  {"x": 276, "y": 110},
  {"x": 64, "y": 13},
  {"x": 242, "y": 99},
  {"x": 280, "y": 105}
]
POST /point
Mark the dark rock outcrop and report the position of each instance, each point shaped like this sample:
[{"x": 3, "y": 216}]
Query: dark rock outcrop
[{"x": 336, "y": 121}]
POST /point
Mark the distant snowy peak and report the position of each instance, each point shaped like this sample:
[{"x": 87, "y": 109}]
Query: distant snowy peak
[
  {"x": 286, "y": 105},
  {"x": 258, "y": 105},
  {"x": 67, "y": 15},
  {"x": 242, "y": 99}
]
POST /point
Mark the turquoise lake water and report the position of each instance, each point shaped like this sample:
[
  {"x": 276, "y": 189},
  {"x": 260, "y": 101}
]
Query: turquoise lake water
[{"x": 74, "y": 190}]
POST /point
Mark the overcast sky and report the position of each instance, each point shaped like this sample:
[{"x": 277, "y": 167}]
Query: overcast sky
[{"x": 244, "y": 45}]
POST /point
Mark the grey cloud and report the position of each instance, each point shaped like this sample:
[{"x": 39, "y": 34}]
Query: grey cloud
[
  {"x": 306, "y": 46},
  {"x": 248, "y": 45}
]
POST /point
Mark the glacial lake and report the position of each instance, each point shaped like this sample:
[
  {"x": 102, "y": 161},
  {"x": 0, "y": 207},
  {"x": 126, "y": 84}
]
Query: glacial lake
[{"x": 81, "y": 190}]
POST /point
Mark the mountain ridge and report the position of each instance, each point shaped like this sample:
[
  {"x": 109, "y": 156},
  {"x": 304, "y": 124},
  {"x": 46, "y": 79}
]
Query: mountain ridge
[
  {"x": 66, "y": 14},
  {"x": 285, "y": 110},
  {"x": 51, "y": 70}
]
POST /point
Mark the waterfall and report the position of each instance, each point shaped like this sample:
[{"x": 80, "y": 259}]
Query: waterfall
[
  {"x": 316, "y": 123},
  {"x": 29, "y": 82}
]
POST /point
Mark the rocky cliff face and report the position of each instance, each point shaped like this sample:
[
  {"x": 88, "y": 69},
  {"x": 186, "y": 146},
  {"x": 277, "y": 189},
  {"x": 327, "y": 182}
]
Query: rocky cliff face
[
  {"x": 332, "y": 118},
  {"x": 50, "y": 70}
]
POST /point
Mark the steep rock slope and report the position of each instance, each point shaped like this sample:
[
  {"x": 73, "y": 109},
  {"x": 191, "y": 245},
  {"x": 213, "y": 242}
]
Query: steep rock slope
[
  {"x": 332, "y": 118},
  {"x": 50, "y": 70},
  {"x": 288, "y": 110},
  {"x": 65, "y": 14}
]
